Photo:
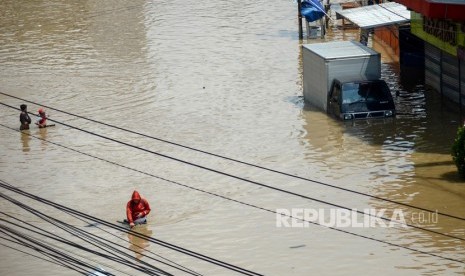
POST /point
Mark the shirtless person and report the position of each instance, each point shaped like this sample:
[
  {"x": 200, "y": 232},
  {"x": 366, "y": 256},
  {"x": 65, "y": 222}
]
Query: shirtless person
[{"x": 24, "y": 118}]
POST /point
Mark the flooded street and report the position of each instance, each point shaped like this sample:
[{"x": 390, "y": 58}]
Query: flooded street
[{"x": 195, "y": 82}]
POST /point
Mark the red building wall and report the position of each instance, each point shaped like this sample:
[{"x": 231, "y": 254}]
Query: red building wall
[
  {"x": 436, "y": 9},
  {"x": 390, "y": 36}
]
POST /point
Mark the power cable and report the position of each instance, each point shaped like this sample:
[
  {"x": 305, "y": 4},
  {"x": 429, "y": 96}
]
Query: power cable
[
  {"x": 173, "y": 264},
  {"x": 243, "y": 203},
  {"x": 12, "y": 188},
  {"x": 46, "y": 250},
  {"x": 87, "y": 237},
  {"x": 122, "y": 229},
  {"x": 52, "y": 259},
  {"x": 35, "y": 256},
  {"x": 221, "y": 156},
  {"x": 149, "y": 269},
  {"x": 247, "y": 180},
  {"x": 56, "y": 246},
  {"x": 41, "y": 243},
  {"x": 81, "y": 233}
]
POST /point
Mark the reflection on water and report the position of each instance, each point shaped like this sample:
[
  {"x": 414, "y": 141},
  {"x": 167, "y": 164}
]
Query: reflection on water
[
  {"x": 42, "y": 134},
  {"x": 137, "y": 244},
  {"x": 25, "y": 139}
]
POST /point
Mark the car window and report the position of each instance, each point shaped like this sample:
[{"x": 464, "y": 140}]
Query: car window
[
  {"x": 351, "y": 93},
  {"x": 378, "y": 91}
]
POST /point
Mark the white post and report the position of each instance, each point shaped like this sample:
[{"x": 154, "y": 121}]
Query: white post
[{"x": 307, "y": 26}]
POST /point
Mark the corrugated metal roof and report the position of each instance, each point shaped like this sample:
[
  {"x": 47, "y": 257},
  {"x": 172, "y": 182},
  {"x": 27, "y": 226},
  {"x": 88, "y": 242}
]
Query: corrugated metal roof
[
  {"x": 372, "y": 16},
  {"x": 338, "y": 49}
]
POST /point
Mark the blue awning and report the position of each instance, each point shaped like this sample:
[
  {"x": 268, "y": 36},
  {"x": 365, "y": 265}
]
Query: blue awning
[{"x": 312, "y": 10}]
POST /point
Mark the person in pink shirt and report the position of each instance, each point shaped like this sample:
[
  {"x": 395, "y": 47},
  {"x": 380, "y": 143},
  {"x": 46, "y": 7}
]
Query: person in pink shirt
[{"x": 42, "y": 122}]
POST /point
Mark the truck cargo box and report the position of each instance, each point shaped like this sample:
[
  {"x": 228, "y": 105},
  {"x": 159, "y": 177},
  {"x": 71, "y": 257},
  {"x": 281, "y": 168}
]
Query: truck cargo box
[{"x": 324, "y": 62}]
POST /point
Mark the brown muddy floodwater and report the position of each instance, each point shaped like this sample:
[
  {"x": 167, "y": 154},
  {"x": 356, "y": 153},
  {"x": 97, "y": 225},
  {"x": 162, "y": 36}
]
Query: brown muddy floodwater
[{"x": 223, "y": 77}]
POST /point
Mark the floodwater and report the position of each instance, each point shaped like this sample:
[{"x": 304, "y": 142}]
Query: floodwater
[{"x": 223, "y": 77}]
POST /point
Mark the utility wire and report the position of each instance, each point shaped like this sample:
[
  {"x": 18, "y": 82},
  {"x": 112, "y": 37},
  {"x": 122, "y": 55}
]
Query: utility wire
[
  {"x": 51, "y": 258},
  {"x": 168, "y": 261},
  {"x": 122, "y": 229},
  {"x": 56, "y": 246},
  {"x": 219, "y": 156},
  {"x": 27, "y": 253},
  {"x": 12, "y": 188},
  {"x": 85, "y": 236},
  {"x": 267, "y": 186},
  {"x": 251, "y": 181},
  {"x": 149, "y": 269},
  {"x": 203, "y": 191},
  {"x": 81, "y": 234},
  {"x": 45, "y": 249}
]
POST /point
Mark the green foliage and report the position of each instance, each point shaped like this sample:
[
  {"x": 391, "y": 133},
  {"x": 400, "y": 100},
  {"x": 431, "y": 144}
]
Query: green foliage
[{"x": 458, "y": 151}]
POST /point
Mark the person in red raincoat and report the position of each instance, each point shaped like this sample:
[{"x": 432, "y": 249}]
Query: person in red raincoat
[{"x": 137, "y": 210}]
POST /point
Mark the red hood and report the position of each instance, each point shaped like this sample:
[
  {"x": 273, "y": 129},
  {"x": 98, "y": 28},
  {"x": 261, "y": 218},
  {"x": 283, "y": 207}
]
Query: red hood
[{"x": 135, "y": 195}]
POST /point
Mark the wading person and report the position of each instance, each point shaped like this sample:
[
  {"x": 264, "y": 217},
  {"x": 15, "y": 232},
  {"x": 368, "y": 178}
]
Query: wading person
[
  {"x": 42, "y": 122},
  {"x": 137, "y": 210},
  {"x": 24, "y": 118}
]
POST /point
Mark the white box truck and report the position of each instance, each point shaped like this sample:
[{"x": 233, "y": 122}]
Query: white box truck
[{"x": 343, "y": 79}]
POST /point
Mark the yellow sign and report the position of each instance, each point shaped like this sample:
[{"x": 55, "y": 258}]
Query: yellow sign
[{"x": 442, "y": 33}]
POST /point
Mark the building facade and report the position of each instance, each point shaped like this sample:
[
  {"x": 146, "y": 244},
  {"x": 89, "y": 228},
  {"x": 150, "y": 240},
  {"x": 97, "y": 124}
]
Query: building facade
[{"x": 440, "y": 27}]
